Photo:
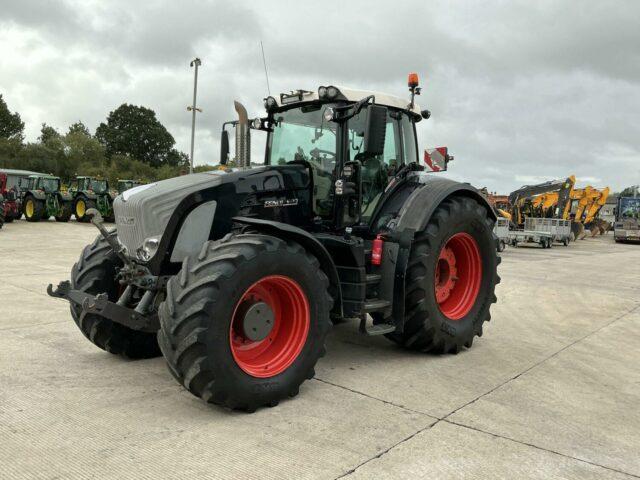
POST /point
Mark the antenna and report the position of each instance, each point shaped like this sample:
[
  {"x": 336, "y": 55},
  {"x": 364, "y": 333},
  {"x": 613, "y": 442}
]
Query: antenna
[{"x": 264, "y": 62}]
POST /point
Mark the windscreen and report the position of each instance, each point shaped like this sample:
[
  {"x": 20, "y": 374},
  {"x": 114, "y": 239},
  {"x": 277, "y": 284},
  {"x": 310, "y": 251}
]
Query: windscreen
[
  {"x": 630, "y": 208},
  {"x": 303, "y": 134},
  {"x": 50, "y": 184},
  {"x": 99, "y": 186}
]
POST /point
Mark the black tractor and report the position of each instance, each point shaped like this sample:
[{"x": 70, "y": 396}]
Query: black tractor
[{"x": 235, "y": 276}]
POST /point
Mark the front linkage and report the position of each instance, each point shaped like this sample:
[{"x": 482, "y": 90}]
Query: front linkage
[{"x": 132, "y": 275}]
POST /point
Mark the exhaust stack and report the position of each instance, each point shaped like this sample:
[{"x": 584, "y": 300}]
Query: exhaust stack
[{"x": 243, "y": 138}]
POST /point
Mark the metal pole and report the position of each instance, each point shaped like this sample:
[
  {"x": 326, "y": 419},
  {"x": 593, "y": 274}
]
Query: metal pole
[{"x": 195, "y": 62}]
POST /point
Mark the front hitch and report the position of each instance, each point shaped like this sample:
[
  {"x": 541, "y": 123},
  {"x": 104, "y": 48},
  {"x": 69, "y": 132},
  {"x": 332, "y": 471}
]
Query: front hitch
[{"x": 101, "y": 306}]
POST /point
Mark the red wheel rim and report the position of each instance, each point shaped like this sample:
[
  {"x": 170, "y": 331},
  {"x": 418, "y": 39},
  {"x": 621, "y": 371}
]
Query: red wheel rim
[
  {"x": 458, "y": 276},
  {"x": 291, "y": 319}
]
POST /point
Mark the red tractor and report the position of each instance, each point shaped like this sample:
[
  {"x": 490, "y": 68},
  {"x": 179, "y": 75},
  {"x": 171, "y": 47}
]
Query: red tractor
[{"x": 11, "y": 209}]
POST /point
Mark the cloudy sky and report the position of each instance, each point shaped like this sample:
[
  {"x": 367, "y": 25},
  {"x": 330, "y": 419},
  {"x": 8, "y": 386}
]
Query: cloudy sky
[{"x": 520, "y": 91}]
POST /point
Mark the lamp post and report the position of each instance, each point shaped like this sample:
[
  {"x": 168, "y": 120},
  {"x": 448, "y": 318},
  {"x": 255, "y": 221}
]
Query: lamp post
[{"x": 193, "y": 109}]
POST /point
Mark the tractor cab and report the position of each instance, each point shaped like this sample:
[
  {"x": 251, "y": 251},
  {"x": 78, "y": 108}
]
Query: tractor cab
[
  {"x": 352, "y": 142},
  {"x": 47, "y": 184},
  {"x": 90, "y": 184},
  {"x": 124, "y": 185}
]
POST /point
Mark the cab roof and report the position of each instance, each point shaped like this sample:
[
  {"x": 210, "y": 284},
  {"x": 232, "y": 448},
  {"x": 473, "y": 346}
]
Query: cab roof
[{"x": 350, "y": 95}]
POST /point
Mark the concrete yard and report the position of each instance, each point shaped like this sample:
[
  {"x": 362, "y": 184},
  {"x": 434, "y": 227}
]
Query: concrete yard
[{"x": 552, "y": 389}]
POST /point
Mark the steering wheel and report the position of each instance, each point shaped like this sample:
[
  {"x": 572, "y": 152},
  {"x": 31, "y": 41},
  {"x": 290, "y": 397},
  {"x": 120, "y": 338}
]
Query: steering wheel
[{"x": 315, "y": 153}]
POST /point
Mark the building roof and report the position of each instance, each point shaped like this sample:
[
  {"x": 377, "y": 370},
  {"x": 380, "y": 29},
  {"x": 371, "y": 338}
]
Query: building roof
[{"x": 22, "y": 173}]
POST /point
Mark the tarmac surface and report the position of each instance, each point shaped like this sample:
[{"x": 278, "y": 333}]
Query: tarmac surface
[{"x": 552, "y": 389}]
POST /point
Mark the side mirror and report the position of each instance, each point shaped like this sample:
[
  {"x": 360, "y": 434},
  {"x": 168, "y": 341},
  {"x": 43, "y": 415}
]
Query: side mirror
[
  {"x": 224, "y": 147},
  {"x": 375, "y": 130}
]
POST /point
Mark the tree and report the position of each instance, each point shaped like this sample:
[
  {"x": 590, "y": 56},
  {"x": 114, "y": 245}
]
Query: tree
[
  {"x": 79, "y": 128},
  {"x": 11, "y": 126},
  {"x": 176, "y": 158},
  {"x": 135, "y": 131},
  {"x": 629, "y": 191},
  {"x": 48, "y": 133}
]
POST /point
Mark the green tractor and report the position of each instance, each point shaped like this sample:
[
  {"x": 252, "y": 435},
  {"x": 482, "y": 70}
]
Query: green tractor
[
  {"x": 124, "y": 185},
  {"x": 91, "y": 192},
  {"x": 43, "y": 199}
]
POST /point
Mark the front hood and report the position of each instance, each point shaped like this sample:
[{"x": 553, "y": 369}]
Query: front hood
[{"x": 144, "y": 211}]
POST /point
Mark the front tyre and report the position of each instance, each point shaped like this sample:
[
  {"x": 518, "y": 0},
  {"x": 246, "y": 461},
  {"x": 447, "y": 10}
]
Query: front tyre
[
  {"x": 245, "y": 322},
  {"x": 65, "y": 212},
  {"x": 94, "y": 273},
  {"x": 451, "y": 278}
]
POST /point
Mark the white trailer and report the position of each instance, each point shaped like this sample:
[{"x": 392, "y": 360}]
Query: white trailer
[
  {"x": 501, "y": 229},
  {"x": 559, "y": 229}
]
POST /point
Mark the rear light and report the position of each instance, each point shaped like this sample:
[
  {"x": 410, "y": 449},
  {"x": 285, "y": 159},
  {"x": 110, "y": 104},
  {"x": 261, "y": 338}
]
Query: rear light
[{"x": 376, "y": 251}]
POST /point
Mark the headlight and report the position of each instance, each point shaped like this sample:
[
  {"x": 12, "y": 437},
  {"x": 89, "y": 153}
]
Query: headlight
[
  {"x": 148, "y": 249},
  {"x": 257, "y": 123},
  {"x": 322, "y": 92},
  {"x": 332, "y": 92}
]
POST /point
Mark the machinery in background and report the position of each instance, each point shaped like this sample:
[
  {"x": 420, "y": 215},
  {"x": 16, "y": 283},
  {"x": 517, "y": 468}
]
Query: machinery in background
[
  {"x": 91, "y": 192},
  {"x": 43, "y": 198},
  {"x": 627, "y": 225},
  {"x": 124, "y": 185},
  {"x": 11, "y": 200}
]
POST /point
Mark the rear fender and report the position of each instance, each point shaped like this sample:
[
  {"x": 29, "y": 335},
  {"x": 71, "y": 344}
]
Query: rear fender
[
  {"x": 423, "y": 202},
  {"x": 38, "y": 195},
  {"x": 310, "y": 243},
  {"x": 414, "y": 216}
]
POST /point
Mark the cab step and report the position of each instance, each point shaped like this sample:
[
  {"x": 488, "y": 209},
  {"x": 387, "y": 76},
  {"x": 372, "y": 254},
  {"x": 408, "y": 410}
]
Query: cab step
[
  {"x": 376, "y": 305},
  {"x": 375, "y": 329}
]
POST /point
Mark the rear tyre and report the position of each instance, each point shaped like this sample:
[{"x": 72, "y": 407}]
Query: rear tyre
[
  {"x": 95, "y": 272},
  {"x": 33, "y": 209},
  {"x": 451, "y": 278},
  {"x": 81, "y": 205},
  {"x": 206, "y": 321}
]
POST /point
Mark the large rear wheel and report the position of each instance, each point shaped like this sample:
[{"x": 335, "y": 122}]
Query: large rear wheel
[
  {"x": 451, "y": 279},
  {"x": 244, "y": 322},
  {"x": 33, "y": 209}
]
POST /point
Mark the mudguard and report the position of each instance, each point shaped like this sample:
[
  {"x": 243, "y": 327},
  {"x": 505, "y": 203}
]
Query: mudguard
[
  {"x": 37, "y": 194},
  {"x": 423, "y": 201},
  {"x": 65, "y": 196},
  {"x": 414, "y": 215},
  {"x": 310, "y": 243}
]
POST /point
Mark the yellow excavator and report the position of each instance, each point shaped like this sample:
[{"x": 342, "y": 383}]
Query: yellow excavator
[
  {"x": 559, "y": 199},
  {"x": 548, "y": 199}
]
